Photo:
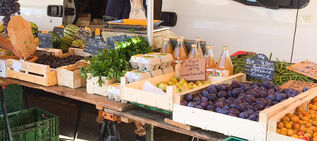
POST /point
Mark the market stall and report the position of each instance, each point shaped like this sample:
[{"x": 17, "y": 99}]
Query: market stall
[{"x": 183, "y": 87}]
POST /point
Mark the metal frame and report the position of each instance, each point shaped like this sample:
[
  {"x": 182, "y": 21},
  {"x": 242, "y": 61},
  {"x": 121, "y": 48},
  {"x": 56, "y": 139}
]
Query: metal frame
[
  {"x": 5, "y": 113},
  {"x": 150, "y": 18}
]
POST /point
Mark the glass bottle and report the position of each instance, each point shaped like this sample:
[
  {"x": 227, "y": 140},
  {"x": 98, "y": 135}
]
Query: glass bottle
[
  {"x": 224, "y": 62},
  {"x": 183, "y": 44},
  {"x": 179, "y": 52},
  {"x": 200, "y": 51},
  {"x": 193, "y": 52},
  {"x": 167, "y": 47},
  {"x": 210, "y": 60}
]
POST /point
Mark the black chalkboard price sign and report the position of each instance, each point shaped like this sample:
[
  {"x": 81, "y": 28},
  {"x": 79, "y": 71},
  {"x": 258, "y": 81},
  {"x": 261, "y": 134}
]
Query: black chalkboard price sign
[
  {"x": 45, "y": 40},
  {"x": 259, "y": 67},
  {"x": 95, "y": 45},
  {"x": 59, "y": 31}
]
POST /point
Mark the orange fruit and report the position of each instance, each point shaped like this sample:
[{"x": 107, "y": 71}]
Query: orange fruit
[
  {"x": 305, "y": 118},
  {"x": 308, "y": 135},
  {"x": 315, "y": 134},
  {"x": 280, "y": 125},
  {"x": 289, "y": 115},
  {"x": 284, "y": 133},
  {"x": 285, "y": 119},
  {"x": 36, "y": 41},
  {"x": 296, "y": 126},
  {"x": 295, "y": 136},
  {"x": 290, "y": 132},
  {"x": 295, "y": 118},
  {"x": 284, "y": 129},
  {"x": 288, "y": 125},
  {"x": 308, "y": 124},
  {"x": 278, "y": 131}
]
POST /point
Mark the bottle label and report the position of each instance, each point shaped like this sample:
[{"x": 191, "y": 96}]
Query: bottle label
[{"x": 215, "y": 74}]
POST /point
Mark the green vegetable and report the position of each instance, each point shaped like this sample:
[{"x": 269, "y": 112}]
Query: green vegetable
[
  {"x": 282, "y": 74},
  {"x": 114, "y": 63}
]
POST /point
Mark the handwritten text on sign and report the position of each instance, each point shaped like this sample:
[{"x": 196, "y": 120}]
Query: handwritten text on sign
[
  {"x": 259, "y": 67},
  {"x": 193, "y": 69}
]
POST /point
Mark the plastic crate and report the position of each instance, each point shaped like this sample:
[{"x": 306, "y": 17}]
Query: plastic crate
[
  {"x": 32, "y": 124},
  {"x": 234, "y": 139}
]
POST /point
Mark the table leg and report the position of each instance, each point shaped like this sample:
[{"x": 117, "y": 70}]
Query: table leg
[
  {"x": 116, "y": 131},
  {"x": 103, "y": 130},
  {"x": 5, "y": 114},
  {"x": 145, "y": 132},
  {"x": 78, "y": 121},
  {"x": 26, "y": 97},
  {"x": 149, "y": 132}
]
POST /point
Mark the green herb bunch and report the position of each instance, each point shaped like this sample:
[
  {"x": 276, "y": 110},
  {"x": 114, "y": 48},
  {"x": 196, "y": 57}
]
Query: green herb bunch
[{"x": 114, "y": 63}]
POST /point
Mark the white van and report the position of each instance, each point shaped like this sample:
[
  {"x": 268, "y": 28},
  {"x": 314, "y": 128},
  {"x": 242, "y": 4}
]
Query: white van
[{"x": 288, "y": 31}]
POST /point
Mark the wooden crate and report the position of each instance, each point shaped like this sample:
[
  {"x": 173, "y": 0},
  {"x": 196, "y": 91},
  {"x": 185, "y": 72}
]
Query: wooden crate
[
  {"x": 69, "y": 76},
  {"x": 94, "y": 88},
  {"x": 228, "y": 125},
  {"x": 3, "y": 66},
  {"x": 31, "y": 72},
  {"x": 133, "y": 92},
  {"x": 272, "y": 123}
]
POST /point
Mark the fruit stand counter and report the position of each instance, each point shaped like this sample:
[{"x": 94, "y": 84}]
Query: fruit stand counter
[{"x": 127, "y": 112}]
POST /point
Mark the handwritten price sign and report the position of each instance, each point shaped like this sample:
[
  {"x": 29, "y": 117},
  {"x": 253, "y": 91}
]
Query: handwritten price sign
[
  {"x": 259, "y": 67},
  {"x": 193, "y": 69}
]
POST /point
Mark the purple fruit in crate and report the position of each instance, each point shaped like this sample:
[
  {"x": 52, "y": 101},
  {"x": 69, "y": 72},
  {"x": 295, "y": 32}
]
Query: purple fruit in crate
[
  {"x": 235, "y": 84},
  {"x": 268, "y": 101},
  {"x": 250, "y": 98},
  {"x": 272, "y": 89},
  {"x": 229, "y": 100},
  {"x": 229, "y": 87},
  {"x": 246, "y": 86},
  {"x": 210, "y": 107},
  {"x": 220, "y": 87},
  {"x": 184, "y": 102},
  {"x": 280, "y": 96},
  {"x": 197, "y": 99},
  {"x": 222, "y": 94},
  {"x": 234, "y": 111},
  {"x": 250, "y": 111},
  {"x": 263, "y": 93},
  {"x": 191, "y": 104},
  {"x": 219, "y": 104},
  {"x": 222, "y": 111},
  {"x": 267, "y": 84},
  {"x": 204, "y": 104},
  {"x": 259, "y": 107},
  {"x": 236, "y": 91},
  {"x": 274, "y": 102},
  {"x": 263, "y": 88},
  {"x": 270, "y": 92},
  {"x": 233, "y": 105},
  {"x": 271, "y": 97},
  {"x": 252, "y": 117},
  {"x": 226, "y": 107},
  {"x": 199, "y": 107},
  {"x": 277, "y": 88},
  {"x": 291, "y": 95},
  {"x": 212, "y": 89},
  {"x": 237, "y": 101},
  {"x": 188, "y": 97},
  {"x": 260, "y": 101},
  {"x": 212, "y": 97},
  {"x": 244, "y": 115},
  {"x": 268, "y": 106},
  {"x": 242, "y": 107},
  {"x": 305, "y": 89},
  {"x": 203, "y": 99},
  {"x": 232, "y": 114},
  {"x": 204, "y": 93}
]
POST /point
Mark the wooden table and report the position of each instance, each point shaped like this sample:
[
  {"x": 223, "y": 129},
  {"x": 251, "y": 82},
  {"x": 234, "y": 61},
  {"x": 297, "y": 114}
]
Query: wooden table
[{"x": 123, "y": 110}]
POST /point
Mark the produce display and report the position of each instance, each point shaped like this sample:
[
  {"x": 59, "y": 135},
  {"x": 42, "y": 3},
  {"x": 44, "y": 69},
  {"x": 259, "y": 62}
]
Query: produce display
[
  {"x": 282, "y": 74},
  {"x": 302, "y": 124},
  {"x": 66, "y": 42},
  {"x": 181, "y": 85},
  {"x": 55, "y": 62},
  {"x": 71, "y": 30},
  {"x": 9, "y": 7},
  {"x": 114, "y": 63},
  {"x": 239, "y": 99}
]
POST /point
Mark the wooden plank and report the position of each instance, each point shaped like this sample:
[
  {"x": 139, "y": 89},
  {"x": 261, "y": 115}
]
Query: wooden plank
[
  {"x": 157, "y": 119},
  {"x": 79, "y": 94},
  {"x": 306, "y": 68},
  {"x": 177, "y": 124},
  {"x": 298, "y": 85}
]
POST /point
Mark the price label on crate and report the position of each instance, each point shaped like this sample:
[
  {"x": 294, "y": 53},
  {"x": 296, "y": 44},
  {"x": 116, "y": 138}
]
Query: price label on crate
[
  {"x": 95, "y": 45},
  {"x": 45, "y": 40},
  {"x": 259, "y": 67},
  {"x": 193, "y": 69},
  {"x": 59, "y": 31}
]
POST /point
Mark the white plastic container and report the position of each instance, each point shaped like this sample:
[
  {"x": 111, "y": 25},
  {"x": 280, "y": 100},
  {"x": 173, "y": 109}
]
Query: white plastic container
[
  {"x": 168, "y": 70},
  {"x": 135, "y": 60},
  {"x": 114, "y": 91},
  {"x": 166, "y": 59},
  {"x": 93, "y": 86},
  {"x": 149, "y": 63},
  {"x": 156, "y": 73},
  {"x": 133, "y": 76}
]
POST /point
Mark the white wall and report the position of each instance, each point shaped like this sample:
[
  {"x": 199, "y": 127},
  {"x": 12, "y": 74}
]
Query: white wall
[{"x": 226, "y": 22}]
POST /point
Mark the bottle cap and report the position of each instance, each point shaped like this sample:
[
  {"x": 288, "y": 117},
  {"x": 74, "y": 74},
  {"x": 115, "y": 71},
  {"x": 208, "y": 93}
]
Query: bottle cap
[
  {"x": 209, "y": 47},
  {"x": 194, "y": 45},
  {"x": 197, "y": 39},
  {"x": 97, "y": 32}
]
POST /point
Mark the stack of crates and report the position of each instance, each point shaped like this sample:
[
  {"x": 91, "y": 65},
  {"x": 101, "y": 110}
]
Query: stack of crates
[{"x": 32, "y": 124}]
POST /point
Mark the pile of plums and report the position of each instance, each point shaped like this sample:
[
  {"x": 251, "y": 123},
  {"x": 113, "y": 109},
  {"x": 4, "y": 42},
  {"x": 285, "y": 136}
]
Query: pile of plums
[{"x": 240, "y": 99}]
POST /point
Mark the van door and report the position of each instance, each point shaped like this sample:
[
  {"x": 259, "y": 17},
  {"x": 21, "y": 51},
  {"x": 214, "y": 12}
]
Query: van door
[
  {"x": 237, "y": 25},
  {"x": 306, "y": 34},
  {"x": 48, "y": 13}
]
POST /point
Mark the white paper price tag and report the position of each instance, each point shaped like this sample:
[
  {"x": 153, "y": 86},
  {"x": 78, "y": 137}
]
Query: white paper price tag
[{"x": 17, "y": 66}]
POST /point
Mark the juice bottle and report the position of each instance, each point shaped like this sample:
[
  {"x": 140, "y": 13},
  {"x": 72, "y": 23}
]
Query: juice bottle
[
  {"x": 193, "y": 52},
  {"x": 200, "y": 51},
  {"x": 210, "y": 60},
  {"x": 167, "y": 47},
  {"x": 224, "y": 62},
  {"x": 179, "y": 52},
  {"x": 183, "y": 44}
]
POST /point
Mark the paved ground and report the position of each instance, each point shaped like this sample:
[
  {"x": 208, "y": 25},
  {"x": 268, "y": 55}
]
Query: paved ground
[{"x": 67, "y": 110}]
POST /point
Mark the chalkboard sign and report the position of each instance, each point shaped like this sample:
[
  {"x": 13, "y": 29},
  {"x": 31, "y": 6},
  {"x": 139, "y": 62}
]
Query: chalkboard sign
[
  {"x": 95, "y": 45},
  {"x": 59, "y": 31},
  {"x": 111, "y": 40},
  {"x": 45, "y": 40},
  {"x": 259, "y": 67},
  {"x": 193, "y": 69}
]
